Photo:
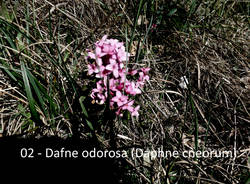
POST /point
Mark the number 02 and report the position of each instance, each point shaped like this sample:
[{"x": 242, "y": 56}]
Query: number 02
[{"x": 27, "y": 152}]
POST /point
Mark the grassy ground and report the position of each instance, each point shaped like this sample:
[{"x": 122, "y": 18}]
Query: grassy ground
[{"x": 44, "y": 86}]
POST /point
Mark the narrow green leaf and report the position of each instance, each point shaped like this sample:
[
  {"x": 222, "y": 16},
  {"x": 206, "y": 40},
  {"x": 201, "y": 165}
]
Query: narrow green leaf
[
  {"x": 192, "y": 8},
  {"x": 135, "y": 24},
  {"x": 9, "y": 73},
  {"x": 143, "y": 42},
  {"x": 38, "y": 93},
  {"x": 81, "y": 99},
  {"x": 20, "y": 43},
  {"x": 172, "y": 12},
  {"x": 4, "y": 11},
  {"x": 62, "y": 69},
  {"x": 27, "y": 17},
  {"x": 89, "y": 124},
  {"x": 100, "y": 2},
  {"x": 66, "y": 56},
  {"x": 13, "y": 73},
  {"x": 9, "y": 39},
  {"x": 34, "y": 113}
]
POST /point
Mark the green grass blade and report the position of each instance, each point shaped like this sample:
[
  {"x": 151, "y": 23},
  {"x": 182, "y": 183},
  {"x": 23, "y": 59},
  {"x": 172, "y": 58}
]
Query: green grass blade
[
  {"x": 62, "y": 69},
  {"x": 84, "y": 111},
  {"x": 44, "y": 97},
  {"x": 27, "y": 20},
  {"x": 34, "y": 114},
  {"x": 38, "y": 93},
  {"x": 135, "y": 24},
  {"x": 192, "y": 8},
  {"x": 89, "y": 124},
  {"x": 172, "y": 12},
  {"x": 9, "y": 39},
  {"x": 14, "y": 74},
  {"x": 143, "y": 42},
  {"x": 9, "y": 73},
  {"x": 4, "y": 11}
]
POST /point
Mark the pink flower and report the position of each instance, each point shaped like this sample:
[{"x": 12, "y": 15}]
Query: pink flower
[
  {"x": 98, "y": 89},
  {"x": 145, "y": 70},
  {"x": 108, "y": 49},
  {"x": 113, "y": 66},
  {"x": 153, "y": 28},
  {"x": 92, "y": 95},
  {"x": 132, "y": 89},
  {"x": 91, "y": 55},
  {"x": 122, "y": 55},
  {"x": 118, "y": 112},
  {"x": 122, "y": 75},
  {"x": 102, "y": 72},
  {"x": 128, "y": 106},
  {"x": 135, "y": 111},
  {"x": 109, "y": 46},
  {"x": 99, "y": 53},
  {"x": 102, "y": 98},
  {"x": 119, "y": 45},
  {"x": 110, "y": 56},
  {"x": 92, "y": 69},
  {"x": 112, "y": 84},
  {"x": 100, "y": 43},
  {"x": 114, "y": 56},
  {"x": 133, "y": 72},
  {"x": 121, "y": 65},
  {"x": 99, "y": 61},
  {"x": 120, "y": 99},
  {"x": 120, "y": 86},
  {"x": 143, "y": 77}
]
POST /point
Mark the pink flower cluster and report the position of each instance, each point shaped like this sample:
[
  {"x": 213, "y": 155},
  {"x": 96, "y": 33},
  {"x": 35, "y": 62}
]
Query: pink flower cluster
[{"x": 108, "y": 65}]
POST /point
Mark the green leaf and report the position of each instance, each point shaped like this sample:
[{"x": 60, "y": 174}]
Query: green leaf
[
  {"x": 20, "y": 43},
  {"x": 4, "y": 11},
  {"x": 9, "y": 39},
  {"x": 81, "y": 99},
  {"x": 192, "y": 8},
  {"x": 248, "y": 181},
  {"x": 172, "y": 12},
  {"x": 38, "y": 93},
  {"x": 9, "y": 73},
  {"x": 135, "y": 24},
  {"x": 34, "y": 113},
  {"x": 14, "y": 74},
  {"x": 89, "y": 124},
  {"x": 66, "y": 56}
]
